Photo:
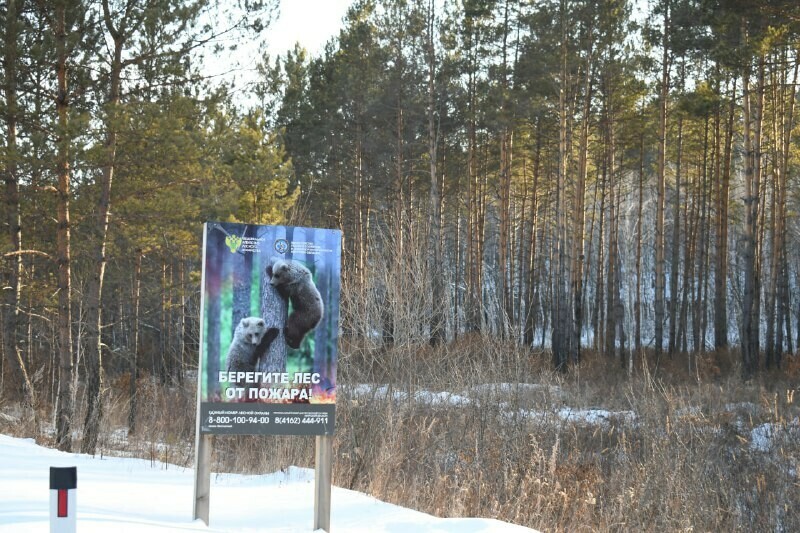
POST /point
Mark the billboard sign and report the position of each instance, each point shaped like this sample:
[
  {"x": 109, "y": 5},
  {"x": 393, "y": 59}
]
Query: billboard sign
[{"x": 269, "y": 329}]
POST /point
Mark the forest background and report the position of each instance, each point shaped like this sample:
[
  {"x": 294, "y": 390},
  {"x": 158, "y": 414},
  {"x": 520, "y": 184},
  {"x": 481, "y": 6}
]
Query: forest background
[{"x": 612, "y": 184}]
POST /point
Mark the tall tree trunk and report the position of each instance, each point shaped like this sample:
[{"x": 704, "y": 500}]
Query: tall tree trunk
[
  {"x": 360, "y": 201},
  {"x": 94, "y": 326},
  {"x": 471, "y": 266},
  {"x": 599, "y": 314},
  {"x": 774, "y": 248},
  {"x": 504, "y": 260},
  {"x": 752, "y": 143},
  {"x": 163, "y": 329},
  {"x": 661, "y": 179},
  {"x": 784, "y": 297},
  {"x": 782, "y": 128},
  {"x": 611, "y": 280},
  {"x": 560, "y": 334},
  {"x": 688, "y": 271},
  {"x": 705, "y": 230},
  {"x": 435, "y": 267},
  {"x": 475, "y": 235},
  {"x": 676, "y": 240},
  {"x": 619, "y": 306},
  {"x": 65, "y": 407},
  {"x": 134, "y": 370},
  {"x": 504, "y": 189},
  {"x": 520, "y": 257},
  {"x": 637, "y": 304},
  {"x": 579, "y": 214},
  {"x": 612, "y": 275},
  {"x": 182, "y": 326},
  {"x": 530, "y": 288},
  {"x": 11, "y": 314},
  {"x": 721, "y": 248}
]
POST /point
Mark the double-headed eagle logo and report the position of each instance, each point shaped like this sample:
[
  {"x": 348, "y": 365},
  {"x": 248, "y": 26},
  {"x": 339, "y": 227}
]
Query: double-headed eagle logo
[{"x": 233, "y": 242}]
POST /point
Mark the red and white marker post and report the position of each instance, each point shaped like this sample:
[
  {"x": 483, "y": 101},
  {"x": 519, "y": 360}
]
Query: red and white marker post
[{"x": 63, "y": 510}]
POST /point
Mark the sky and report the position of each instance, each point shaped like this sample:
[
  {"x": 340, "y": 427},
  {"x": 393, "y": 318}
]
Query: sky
[
  {"x": 309, "y": 22},
  {"x": 312, "y": 23}
]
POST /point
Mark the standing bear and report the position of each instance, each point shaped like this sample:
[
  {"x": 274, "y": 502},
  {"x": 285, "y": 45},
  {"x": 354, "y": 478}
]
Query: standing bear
[
  {"x": 244, "y": 352},
  {"x": 293, "y": 282}
]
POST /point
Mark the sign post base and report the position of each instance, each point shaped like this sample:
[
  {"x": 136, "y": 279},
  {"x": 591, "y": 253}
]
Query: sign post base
[
  {"x": 202, "y": 477},
  {"x": 323, "y": 470}
]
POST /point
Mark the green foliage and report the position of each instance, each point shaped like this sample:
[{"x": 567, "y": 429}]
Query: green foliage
[
  {"x": 166, "y": 177},
  {"x": 255, "y": 164}
]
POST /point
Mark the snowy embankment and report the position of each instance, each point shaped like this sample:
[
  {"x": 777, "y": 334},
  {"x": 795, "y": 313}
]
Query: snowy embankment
[{"x": 136, "y": 495}]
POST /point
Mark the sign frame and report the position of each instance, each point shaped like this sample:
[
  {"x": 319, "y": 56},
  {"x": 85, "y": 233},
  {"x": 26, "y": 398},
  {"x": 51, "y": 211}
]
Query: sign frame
[{"x": 270, "y": 304}]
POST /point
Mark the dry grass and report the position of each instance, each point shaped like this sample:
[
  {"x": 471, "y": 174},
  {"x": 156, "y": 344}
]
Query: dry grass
[{"x": 689, "y": 461}]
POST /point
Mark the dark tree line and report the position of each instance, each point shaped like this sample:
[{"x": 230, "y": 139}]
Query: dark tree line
[
  {"x": 595, "y": 176},
  {"x": 564, "y": 174}
]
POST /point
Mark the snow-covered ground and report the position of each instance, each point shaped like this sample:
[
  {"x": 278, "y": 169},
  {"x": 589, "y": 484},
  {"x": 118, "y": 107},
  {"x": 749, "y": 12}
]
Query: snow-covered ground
[
  {"x": 137, "y": 495},
  {"x": 490, "y": 392}
]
